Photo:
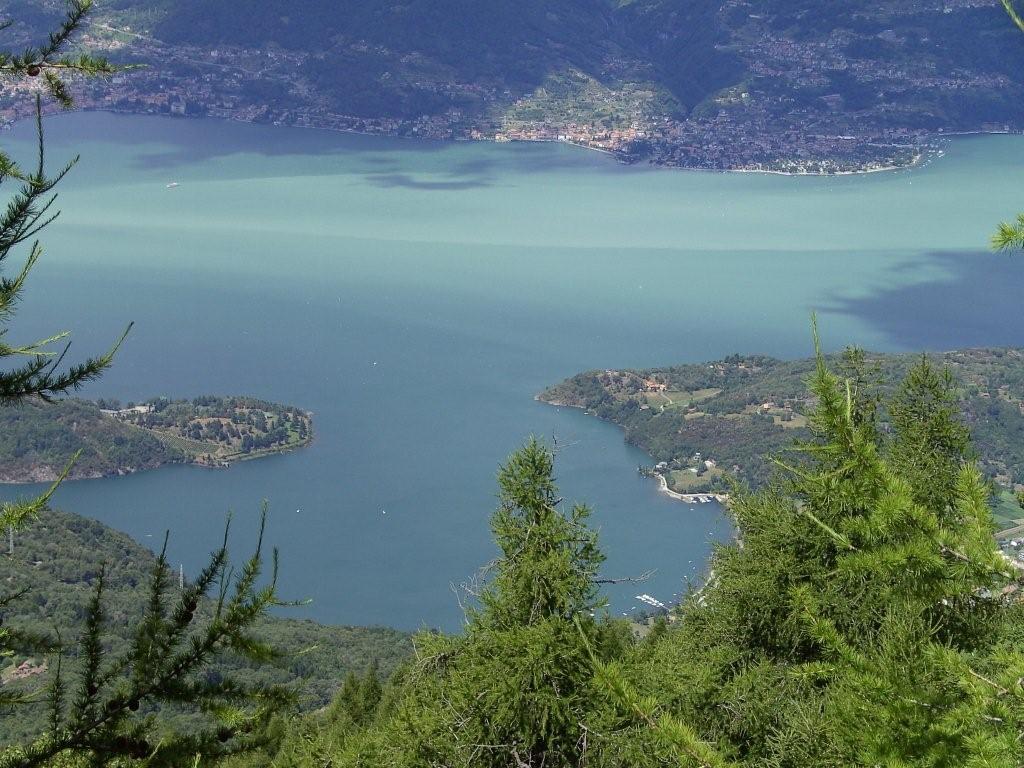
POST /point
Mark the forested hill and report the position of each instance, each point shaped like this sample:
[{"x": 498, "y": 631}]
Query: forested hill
[
  {"x": 513, "y": 44},
  {"x": 738, "y": 412},
  {"x": 781, "y": 84},
  {"x": 692, "y": 47},
  {"x": 56, "y": 562},
  {"x": 38, "y": 440}
]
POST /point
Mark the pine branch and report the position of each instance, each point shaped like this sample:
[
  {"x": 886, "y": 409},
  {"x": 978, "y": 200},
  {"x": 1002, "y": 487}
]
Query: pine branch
[
  {"x": 672, "y": 731},
  {"x": 162, "y": 666},
  {"x": 1010, "y": 235},
  {"x": 16, "y": 513},
  {"x": 50, "y": 61},
  {"x": 1016, "y": 17}
]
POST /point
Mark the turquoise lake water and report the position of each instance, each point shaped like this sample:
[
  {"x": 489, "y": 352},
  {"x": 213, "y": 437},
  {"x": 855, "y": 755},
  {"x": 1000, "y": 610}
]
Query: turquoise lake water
[{"x": 416, "y": 296}]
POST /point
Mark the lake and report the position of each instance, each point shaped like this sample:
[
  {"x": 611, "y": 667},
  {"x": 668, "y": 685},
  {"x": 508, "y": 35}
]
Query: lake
[{"x": 416, "y": 296}]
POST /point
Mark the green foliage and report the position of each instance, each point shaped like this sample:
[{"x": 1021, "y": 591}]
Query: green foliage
[
  {"x": 38, "y": 439},
  {"x": 930, "y": 440},
  {"x": 515, "y": 687},
  {"x": 54, "y": 568},
  {"x": 224, "y": 428},
  {"x": 317, "y": 738},
  {"x": 50, "y": 60},
  {"x": 98, "y": 716},
  {"x": 863, "y": 616},
  {"x": 1014, "y": 15},
  {"x": 1010, "y": 235},
  {"x": 549, "y": 561}
]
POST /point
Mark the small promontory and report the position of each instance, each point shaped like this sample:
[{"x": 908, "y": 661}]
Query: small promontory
[
  {"x": 704, "y": 424},
  {"x": 38, "y": 439}
]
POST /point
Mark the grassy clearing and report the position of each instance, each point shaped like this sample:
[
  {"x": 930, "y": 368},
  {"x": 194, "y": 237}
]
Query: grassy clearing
[
  {"x": 189, "y": 446},
  {"x": 1006, "y": 511},
  {"x": 685, "y": 481},
  {"x": 795, "y": 420},
  {"x": 678, "y": 398}
]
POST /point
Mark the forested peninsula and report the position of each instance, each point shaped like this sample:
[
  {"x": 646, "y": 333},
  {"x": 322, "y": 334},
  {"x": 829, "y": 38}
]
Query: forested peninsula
[
  {"x": 38, "y": 439},
  {"x": 705, "y": 422}
]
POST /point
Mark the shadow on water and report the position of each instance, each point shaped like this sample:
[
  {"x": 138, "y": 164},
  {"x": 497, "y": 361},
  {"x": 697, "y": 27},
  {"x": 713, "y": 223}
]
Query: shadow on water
[
  {"x": 404, "y": 180},
  {"x": 187, "y": 141},
  {"x": 193, "y": 140},
  {"x": 972, "y": 299},
  {"x": 196, "y": 147}
]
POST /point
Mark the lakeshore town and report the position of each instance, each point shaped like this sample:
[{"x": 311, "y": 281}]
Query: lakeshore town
[{"x": 753, "y": 131}]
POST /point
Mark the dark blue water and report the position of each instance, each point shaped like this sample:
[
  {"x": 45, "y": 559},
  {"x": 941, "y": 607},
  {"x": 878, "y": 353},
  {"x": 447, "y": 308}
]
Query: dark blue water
[{"x": 416, "y": 296}]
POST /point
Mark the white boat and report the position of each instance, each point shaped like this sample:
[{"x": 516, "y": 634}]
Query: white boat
[
  {"x": 173, "y": 184},
  {"x": 645, "y": 598}
]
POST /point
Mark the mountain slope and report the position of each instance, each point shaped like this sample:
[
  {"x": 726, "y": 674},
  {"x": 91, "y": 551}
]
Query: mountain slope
[
  {"x": 56, "y": 562},
  {"x": 692, "y": 47},
  {"x": 797, "y": 85},
  {"x": 512, "y": 45}
]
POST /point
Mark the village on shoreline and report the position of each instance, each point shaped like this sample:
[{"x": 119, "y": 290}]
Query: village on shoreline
[{"x": 196, "y": 82}]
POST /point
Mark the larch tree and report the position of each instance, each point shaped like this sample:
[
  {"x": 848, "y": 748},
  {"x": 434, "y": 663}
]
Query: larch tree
[
  {"x": 864, "y": 615},
  {"x": 512, "y": 690}
]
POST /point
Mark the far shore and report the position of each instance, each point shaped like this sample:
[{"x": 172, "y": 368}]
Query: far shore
[
  {"x": 922, "y": 158},
  {"x": 918, "y": 161}
]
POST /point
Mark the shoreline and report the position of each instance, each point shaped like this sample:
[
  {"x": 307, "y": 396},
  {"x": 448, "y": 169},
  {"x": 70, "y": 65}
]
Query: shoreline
[
  {"x": 918, "y": 161},
  {"x": 921, "y": 159},
  {"x": 691, "y": 498},
  {"x": 686, "y": 498},
  {"x": 45, "y": 477}
]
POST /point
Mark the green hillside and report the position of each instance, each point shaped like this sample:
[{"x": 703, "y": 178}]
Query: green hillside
[
  {"x": 692, "y": 48},
  {"x": 56, "y": 561},
  {"x": 37, "y": 439},
  {"x": 740, "y": 411},
  {"x": 516, "y": 44}
]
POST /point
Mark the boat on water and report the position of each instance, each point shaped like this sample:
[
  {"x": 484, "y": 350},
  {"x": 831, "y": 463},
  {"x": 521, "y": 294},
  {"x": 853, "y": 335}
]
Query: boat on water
[
  {"x": 651, "y": 601},
  {"x": 172, "y": 185}
]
